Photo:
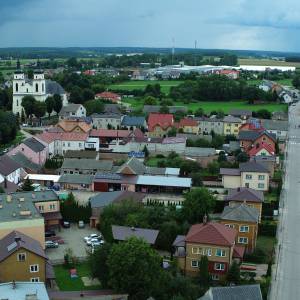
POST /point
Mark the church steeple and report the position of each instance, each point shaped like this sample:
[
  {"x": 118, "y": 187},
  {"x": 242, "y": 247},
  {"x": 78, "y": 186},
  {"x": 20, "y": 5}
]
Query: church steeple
[{"x": 18, "y": 65}]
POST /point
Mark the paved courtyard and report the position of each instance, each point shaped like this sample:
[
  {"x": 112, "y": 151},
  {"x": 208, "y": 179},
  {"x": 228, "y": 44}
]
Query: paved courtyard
[{"x": 73, "y": 238}]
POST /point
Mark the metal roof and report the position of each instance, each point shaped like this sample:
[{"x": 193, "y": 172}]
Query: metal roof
[
  {"x": 164, "y": 181},
  {"x": 34, "y": 145},
  {"x": 87, "y": 164}
]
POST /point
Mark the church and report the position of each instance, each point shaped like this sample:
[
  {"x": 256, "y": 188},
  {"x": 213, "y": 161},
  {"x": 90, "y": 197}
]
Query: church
[{"x": 38, "y": 87}]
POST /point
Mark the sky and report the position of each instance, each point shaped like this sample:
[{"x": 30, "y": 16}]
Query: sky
[{"x": 215, "y": 24}]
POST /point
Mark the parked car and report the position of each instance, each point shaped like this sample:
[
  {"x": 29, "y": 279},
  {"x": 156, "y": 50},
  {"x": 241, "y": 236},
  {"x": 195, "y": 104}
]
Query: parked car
[
  {"x": 81, "y": 224},
  {"x": 92, "y": 236},
  {"x": 50, "y": 233},
  {"x": 51, "y": 244},
  {"x": 66, "y": 224},
  {"x": 93, "y": 240}
]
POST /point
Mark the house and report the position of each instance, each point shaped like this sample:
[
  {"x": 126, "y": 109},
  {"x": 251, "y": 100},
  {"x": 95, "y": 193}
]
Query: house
[
  {"x": 277, "y": 128},
  {"x": 110, "y": 108},
  {"x": 280, "y": 116},
  {"x": 33, "y": 149},
  {"x": 23, "y": 290},
  {"x": 211, "y": 124},
  {"x": 261, "y": 150},
  {"x": 188, "y": 126},
  {"x": 122, "y": 233},
  {"x": 38, "y": 87},
  {"x": 231, "y": 74},
  {"x": 214, "y": 240},
  {"x": 22, "y": 258},
  {"x": 147, "y": 109},
  {"x": 133, "y": 122},
  {"x": 269, "y": 162},
  {"x": 241, "y": 113},
  {"x": 85, "y": 166},
  {"x": 46, "y": 180},
  {"x": 25, "y": 163},
  {"x": 252, "y": 124},
  {"x": 101, "y": 200},
  {"x": 76, "y": 126},
  {"x": 106, "y": 120},
  {"x": 10, "y": 170},
  {"x": 251, "y": 197},
  {"x": 203, "y": 156},
  {"x": 233, "y": 292},
  {"x": 59, "y": 143},
  {"x": 46, "y": 202},
  {"x": 72, "y": 110},
  {"x": 231, "y": 125},
  {"x": 106, "y": 136},
  {"x": 160, "y": 124},
  {"x": 245, "y": 220},
  {"x": 250, "y": 175},
  {"x": 76, "y": 182},
  {"x": 18, "y": 214},
  {"x": 109, "y": 96}
]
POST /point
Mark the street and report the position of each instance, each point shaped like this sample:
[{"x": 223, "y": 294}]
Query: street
[{"x": 286, "y": 275}]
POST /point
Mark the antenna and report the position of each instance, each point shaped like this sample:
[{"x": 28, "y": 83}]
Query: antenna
[{"x": 173, "y": 49}]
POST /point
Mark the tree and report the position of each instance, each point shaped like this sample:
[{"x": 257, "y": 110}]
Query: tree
[
  {"x": 198, "y": 202},
  {"x": 94, "y": 106},
  {"x": 146, "y": 151},
  {"x": 88, "y": 94},
  {"x": 72, "y": 62},
  {"x": 242, "y": 157},
  {"x": 39, "y": 109},
  {"x": 27, "y": 185},
  {"x": 199, "y": 112},
  {"x": 262, "y": 114},
  {"x": 76, "y": 95},
  {"x": 49, "y": 105},
  {"x": 57, "y": 103},
  {"x": 134, "y": 268},
  {"x": 149, "y": 100},
  {"x": 28, "y": 103},
  {"x": 204, "y": 276},
  {"x": 234, "y": 275},
  {"x": 164, "y": 109},
  {"x": 172, "y": 132}
]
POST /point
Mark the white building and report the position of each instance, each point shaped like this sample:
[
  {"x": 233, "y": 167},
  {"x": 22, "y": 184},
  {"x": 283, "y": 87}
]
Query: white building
[
  {"x": 38, "y": 87},
  {"x": 72, "y": 111}
]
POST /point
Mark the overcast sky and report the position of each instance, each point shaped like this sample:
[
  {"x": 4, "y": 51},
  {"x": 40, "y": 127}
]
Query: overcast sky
[{"x": 230, "y": 24}]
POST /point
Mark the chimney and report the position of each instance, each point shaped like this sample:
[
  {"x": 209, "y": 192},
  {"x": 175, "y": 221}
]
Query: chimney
[
  {"x": 205, "y": 219},
  {"x": 17, "y": 239},
  {"x": 13, "y": 284}
]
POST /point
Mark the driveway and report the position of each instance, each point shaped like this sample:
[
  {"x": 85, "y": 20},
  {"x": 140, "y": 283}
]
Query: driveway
[{"x": 73, "y": 238}]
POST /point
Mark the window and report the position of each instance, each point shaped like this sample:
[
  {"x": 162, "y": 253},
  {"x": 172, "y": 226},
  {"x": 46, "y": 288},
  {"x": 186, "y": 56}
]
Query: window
[
  {"x": 63, "y": 144},
  {"x": 247, "y": 184},
  {"x": 196, "y": 250},
  {"x": 215, "y": 277},
  {"x": 219, "y": 267},
  {"x": 80, "y": 145},
  {"x": 261, "y": 186},
  {"x": 23, "y": 149},
  {"x": 41, "y": 208},
  {"x": 17, "y": 102},
  {"x": 230, "y": 225},
  {"x": 244, "y": 228},
  {"x": 34, "y": 268},
  {"x": 17, "y": 87},
  {"x": 35, "y": 279},
  {"x": 21, "y": 256},
  {"x": 208, "y": 252},
  {"x": 36, "y": 87},
  {"x": 248, "y": 176},
  {"x": 243, "y": 240},
  {"x": 43, "y": 87},
  {"x": 220, "y": 252},
  {"x": 69, "y": 144},
  {"x": 52, "y": 206},
  {"x": 261, "y": 177},
  {"x": 194, "y": 263}
]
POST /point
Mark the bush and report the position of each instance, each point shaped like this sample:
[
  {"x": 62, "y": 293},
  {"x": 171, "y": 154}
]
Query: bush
[{"x": 267, "y": 229}]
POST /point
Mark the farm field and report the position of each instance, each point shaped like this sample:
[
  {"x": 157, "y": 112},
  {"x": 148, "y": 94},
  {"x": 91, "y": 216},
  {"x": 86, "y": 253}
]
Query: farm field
[
  {"x": 266, "y": 62},
  {"x": 209, "y": 106},
  {"x": 140, "y": 85}
]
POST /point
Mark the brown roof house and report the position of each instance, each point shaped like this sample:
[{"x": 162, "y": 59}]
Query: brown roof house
[
  {"x": 214, "y": 240},
  {"x": 22, "y": 258}
]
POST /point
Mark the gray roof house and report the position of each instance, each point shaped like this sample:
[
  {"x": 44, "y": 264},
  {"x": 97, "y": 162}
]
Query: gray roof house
[
  {"x": 34, "y": 145},
  {"x": 276, "y": 127},
  {"x": 132, "y": 121},
  {"x": 252, "y": 166},
  {"x": 8, "y": 165},
  {"x": 245, "y": 194},
  {"x": 237, "y": 292},
  {"x": 156, "y": 108},
  {"x": 241, "y": 113},
  {"x": 27, "y": 165},
  {"x": 122, "y": 233},
  {"x": 241, "y": 212},
  {"x": 72, "y": 110}
]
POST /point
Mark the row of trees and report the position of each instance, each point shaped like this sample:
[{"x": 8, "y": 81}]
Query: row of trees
[{"x": 8, "y": 127}]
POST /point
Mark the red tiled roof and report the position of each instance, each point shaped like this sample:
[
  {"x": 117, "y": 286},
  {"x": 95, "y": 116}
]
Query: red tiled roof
[
  {"x": 228, "y": 72},
  {"x": 188, "y": 122},
  {"x": 253, "y": 151},
  {"x": 238, "y": 251},
  {"x": 162, "y": 120},
  {"x": 109, "y": 133},
  {"x": 49, "y": 137},
  {"x": 108, "y": 95},
  {"x": 211, "y": 233}
]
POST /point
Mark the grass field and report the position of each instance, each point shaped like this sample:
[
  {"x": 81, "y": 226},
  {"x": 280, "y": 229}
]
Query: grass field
[
  {"x": 209, "y": 106},
  {"x": 266, "y": 62},
  {"x": 281, "y": 81},
  {"x": 140, "y": 85},
  {"x": 66, "y": 283}
]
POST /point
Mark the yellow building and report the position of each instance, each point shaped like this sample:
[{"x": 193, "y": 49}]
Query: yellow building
[{"x": 232, "y": 125}]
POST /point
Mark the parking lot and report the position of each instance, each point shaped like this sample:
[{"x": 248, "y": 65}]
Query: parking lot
[{"x": 73, "y": 238}]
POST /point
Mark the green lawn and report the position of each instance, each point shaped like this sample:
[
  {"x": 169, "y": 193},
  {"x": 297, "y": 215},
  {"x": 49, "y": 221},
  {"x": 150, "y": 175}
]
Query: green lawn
[
  {"x": 259, "y": 81},
  {"x": 153, "y": 161},
  {"x": 266, "y": 243},
  {"x": 66, "y": 283},
  {"x": 140, "y": 85}
]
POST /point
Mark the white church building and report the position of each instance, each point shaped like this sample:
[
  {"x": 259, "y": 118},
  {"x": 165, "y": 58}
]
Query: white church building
[{"x": 38, "y": 87}]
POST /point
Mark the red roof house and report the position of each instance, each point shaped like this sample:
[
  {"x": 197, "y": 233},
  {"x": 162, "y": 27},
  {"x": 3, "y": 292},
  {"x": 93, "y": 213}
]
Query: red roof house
[
  {"x": 110, "y": 96},
  {"x": 261, "y": 149},
  {"x": 160, "y": 124}
]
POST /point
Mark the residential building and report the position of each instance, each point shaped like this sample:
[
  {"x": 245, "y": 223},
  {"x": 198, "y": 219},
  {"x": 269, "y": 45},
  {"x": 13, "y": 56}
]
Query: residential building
[
  {"x": 188, "y": 126},
  {"x": 23, "y": 290},
  {"x": 18, "y": 214},
  {"x": 76, "y": 182},
  {"x": 10, "y": 170},
  {"x": 27, "y": 165},
  {"x": 22, "y": 258},
  {"x": 245, "y": 220},
  {"x": 269, "y": 162},
  {"x": 72, "y": 110},
  {"x": 231, "y": 74},
  {"x": 241, "y": 113},
  {"x": 280, "y": 116},
  {"x": 233, "y": 292},
  {"x": 122, "y": 233},
  {"x": 101, "y": 200},
  {"x": 109, "y": 96},
  {"x": 160, "y": 124},
  {"x": 277, "y": 128},
  {"x": 74, "y": 125},
  {"x": 209, "y": 125},
  {"x": 132, "y": 122},
  {"x": 250, "y": 175},
  {"x": 231, "y": 125},
  {"x": 251, "y": 197},
  {"x": 106, "y": 136},
  {"x": 214, "y": 240},
  {"x": 33, "y": 149},
  {"x": 106, "y": 121},
  {"x": 85, "y": 166},
  {"x": 38, "y": 87},
  {"x": 110, "y": 108}
]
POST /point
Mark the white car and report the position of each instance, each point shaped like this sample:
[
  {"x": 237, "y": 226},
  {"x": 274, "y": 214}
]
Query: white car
[
  {"x": 97, "y": 244},
  {"x": 90, "y": 242},
  {"x": 92, "y": 236}
]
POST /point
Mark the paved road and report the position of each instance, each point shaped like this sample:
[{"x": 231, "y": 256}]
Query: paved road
[{"x": 286, "y": 275}]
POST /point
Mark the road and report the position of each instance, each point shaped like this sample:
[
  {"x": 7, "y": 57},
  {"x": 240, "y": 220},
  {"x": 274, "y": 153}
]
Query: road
[{"x": 286, "y": 274}]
